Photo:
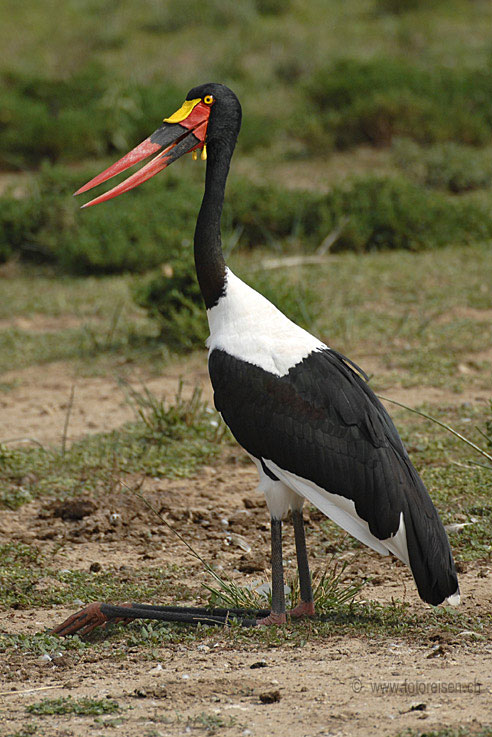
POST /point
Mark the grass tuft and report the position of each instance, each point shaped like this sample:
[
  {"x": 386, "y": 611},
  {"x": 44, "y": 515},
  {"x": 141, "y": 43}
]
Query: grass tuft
[
  {"x": 67, "y": 705},
  {"x": 330, "y": 592}
]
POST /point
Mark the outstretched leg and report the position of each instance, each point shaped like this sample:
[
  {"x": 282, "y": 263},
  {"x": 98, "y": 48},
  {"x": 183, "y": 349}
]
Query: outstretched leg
[
  {"x": 277, "y": 614},
  {"x": 306, "y": 605}
]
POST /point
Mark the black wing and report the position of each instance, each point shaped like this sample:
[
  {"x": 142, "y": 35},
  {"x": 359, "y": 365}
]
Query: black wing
[{"x": 323, "y": 422}]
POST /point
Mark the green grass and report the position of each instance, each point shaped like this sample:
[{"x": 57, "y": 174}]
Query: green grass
[
  {"x": 67, "y": 705},
  {"x": 170, "y": 440},
  {"x": 36, "y": 584},
  {"x": 26, "y": 731},
  {"x": 211, "y": 723},
  {"x": 360, "y": 618}
]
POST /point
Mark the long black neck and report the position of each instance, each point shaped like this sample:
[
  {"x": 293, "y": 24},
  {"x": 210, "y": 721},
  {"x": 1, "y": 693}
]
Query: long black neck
[{"x": 209, "y": 259}]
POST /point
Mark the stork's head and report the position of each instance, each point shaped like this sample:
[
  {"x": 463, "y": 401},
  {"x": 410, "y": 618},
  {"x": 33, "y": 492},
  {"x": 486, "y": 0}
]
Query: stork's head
[{"x": 210, "y": 116}]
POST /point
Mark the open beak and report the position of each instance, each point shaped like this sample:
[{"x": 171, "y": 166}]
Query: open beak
[{"x": 183, "y": 132}]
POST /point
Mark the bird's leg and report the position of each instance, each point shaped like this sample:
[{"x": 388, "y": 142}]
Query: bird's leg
[
  {"x": 98, "y": 614},
  {"x": 277, "y": 614},
  {"x": 306, "y": 606}
]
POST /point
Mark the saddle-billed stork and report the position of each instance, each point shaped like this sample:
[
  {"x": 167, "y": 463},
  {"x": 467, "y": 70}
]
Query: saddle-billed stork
[{"x": 303, "y": 412}]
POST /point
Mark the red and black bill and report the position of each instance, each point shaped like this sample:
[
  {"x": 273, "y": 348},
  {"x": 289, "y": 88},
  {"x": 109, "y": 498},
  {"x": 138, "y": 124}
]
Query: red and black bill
[{"x": 183, "y": 132}]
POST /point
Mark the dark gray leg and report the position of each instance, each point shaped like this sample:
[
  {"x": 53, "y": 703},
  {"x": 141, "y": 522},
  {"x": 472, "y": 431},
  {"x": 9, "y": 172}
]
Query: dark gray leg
[
  {"x": 306, "y": 605},
  {"x": 277, "y": 615}
]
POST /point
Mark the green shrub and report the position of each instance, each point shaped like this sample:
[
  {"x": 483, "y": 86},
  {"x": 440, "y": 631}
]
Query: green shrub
[
  {"x": 88, "y": 115},
  {"x": 48, "y": 226},
  {"x": 447, "y": 166},
  {"x": 267, "y": 214},
  {"x": 155, "y": 223},
  {"x": 373, "y": 101},
  {"x": 173, "y": 298},
  {"x": 395, "y": 213}
]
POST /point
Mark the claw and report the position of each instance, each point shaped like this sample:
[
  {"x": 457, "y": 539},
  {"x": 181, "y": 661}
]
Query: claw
[
  {"x": 272, "y": 618},
  {"x": 84, "y": 622},
  {"x": 304, "y": 609}
]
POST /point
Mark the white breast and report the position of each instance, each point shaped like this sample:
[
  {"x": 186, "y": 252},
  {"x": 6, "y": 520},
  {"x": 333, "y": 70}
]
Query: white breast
[{"x": 247, "y": 326}]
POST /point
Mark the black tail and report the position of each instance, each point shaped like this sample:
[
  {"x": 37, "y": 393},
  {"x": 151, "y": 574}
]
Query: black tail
[{"x": 429, "y": 551}]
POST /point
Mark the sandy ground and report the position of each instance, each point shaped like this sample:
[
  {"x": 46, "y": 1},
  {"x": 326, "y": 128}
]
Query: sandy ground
[{"x": 346, "y": 686}]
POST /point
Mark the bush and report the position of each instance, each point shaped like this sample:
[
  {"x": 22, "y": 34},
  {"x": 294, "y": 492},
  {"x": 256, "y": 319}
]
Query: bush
[
  {"x": 395, "y": 213},
  {"x": 373, "y": 101},
  {"x": 267, "y": 214},
  {"x": 173, "y": 298},
  {"x": 88, "y": 115},
  {"x": 47, "y": 226},
  {"x": 447, "y": 166}
]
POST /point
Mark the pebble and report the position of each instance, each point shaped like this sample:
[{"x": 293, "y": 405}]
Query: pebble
[{"x": 240, "y": 541}]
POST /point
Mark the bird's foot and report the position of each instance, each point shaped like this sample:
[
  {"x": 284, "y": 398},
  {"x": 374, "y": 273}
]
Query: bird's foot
[
  {"x": 83, "y": 622},
  {"x": 304, "y": 609},
  {"x": 272, "y": 618}
]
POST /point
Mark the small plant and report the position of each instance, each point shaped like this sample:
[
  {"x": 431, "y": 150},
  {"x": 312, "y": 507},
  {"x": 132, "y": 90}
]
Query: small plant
[
  {"x": 80, "y": 707},
  {"x": 173, "y": 420},
  {"x": 330, "y": 592},
  {"x": 228, "y": 594},
  {"x": 26, "y": 731},
  {"x": 210, "y": 722}
]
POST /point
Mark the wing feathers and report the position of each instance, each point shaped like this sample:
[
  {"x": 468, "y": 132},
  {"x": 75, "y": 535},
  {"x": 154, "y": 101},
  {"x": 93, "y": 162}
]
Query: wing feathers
[{"x": 322, "y": 423}]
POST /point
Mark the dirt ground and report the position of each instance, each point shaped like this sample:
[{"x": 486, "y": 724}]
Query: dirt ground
[{"x": 348, "y": 686}]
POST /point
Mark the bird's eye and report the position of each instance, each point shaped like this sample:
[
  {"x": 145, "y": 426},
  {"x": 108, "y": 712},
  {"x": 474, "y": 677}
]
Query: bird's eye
[{"x": 208, "y": 99}]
